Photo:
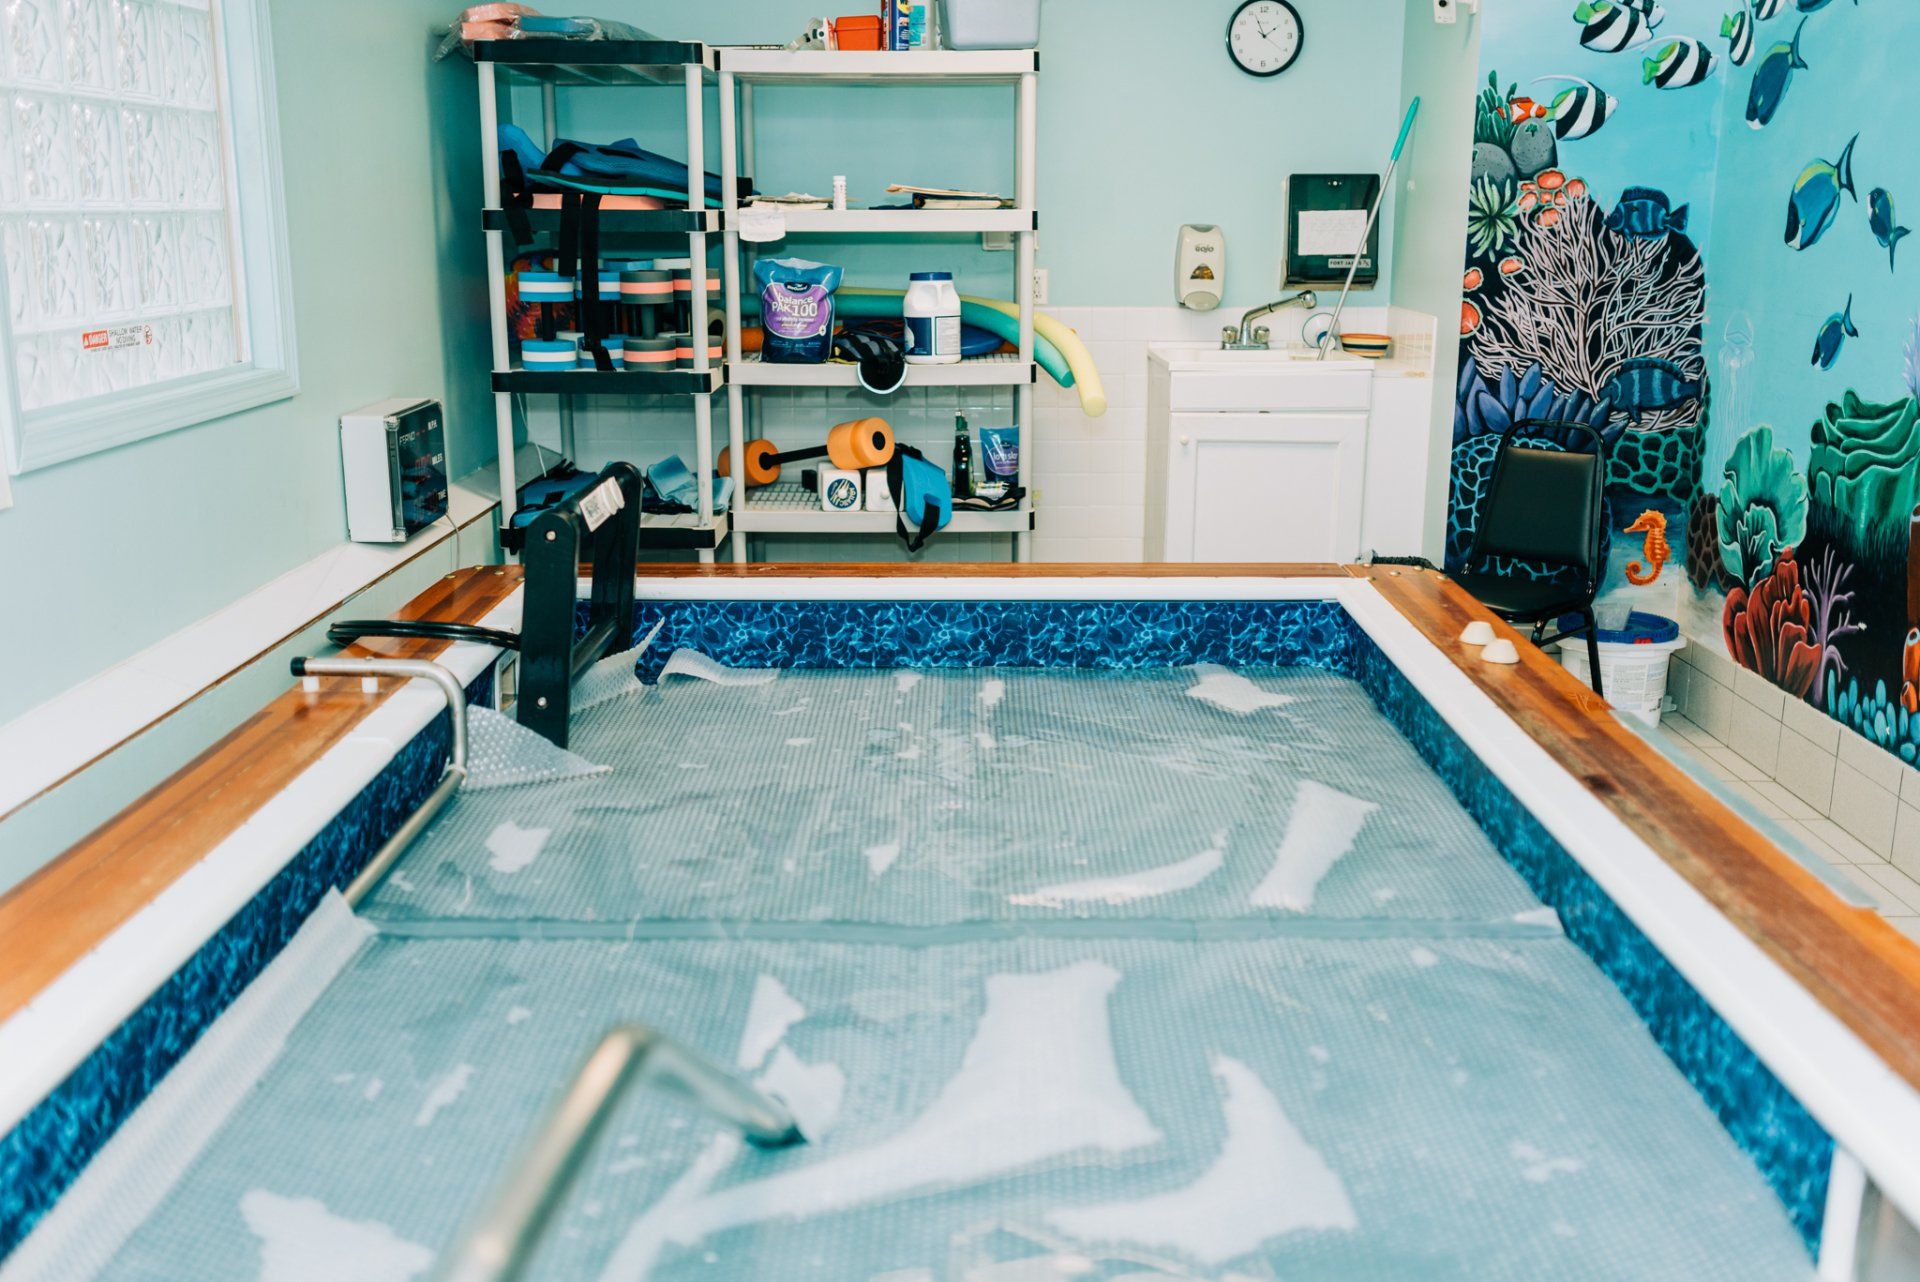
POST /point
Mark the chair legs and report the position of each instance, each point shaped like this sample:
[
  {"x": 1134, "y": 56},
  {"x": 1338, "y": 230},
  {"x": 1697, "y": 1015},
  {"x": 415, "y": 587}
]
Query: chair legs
[{"x": 1593, "y": 649}]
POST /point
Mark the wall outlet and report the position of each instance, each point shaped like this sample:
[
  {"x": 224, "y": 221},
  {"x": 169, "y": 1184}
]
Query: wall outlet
[{"x": 1040, "y": 280}]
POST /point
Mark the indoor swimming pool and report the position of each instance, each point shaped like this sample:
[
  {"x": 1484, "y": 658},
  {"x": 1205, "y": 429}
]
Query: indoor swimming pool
[{"x": 1133, "y": 938}]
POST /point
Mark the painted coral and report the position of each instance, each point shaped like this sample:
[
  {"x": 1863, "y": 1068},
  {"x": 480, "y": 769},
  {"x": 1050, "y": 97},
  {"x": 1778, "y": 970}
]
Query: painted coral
[
  {"x": 1769, "y": 629},
  {"x": 1763, "y": 507},
  {"x": 1864, "y": 464}
]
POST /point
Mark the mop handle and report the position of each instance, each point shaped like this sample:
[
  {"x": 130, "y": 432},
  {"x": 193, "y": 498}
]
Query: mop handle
[{"x": 1328, "y": 339}]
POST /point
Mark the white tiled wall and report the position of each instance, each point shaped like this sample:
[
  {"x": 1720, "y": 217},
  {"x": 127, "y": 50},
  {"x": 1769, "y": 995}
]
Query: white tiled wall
[
  {"x": 1089, "y": 473},
  {"x": 1853, "y": 798}
]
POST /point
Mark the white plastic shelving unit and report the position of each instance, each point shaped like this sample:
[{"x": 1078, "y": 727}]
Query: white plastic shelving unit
[
  {"x": 553, "y": 64},
  {"x": 740, "y": 69}
]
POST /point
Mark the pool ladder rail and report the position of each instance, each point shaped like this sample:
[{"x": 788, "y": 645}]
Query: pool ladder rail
[
  {"x": 500, "y": 1241},
  {"x": 451, "y": 778}
]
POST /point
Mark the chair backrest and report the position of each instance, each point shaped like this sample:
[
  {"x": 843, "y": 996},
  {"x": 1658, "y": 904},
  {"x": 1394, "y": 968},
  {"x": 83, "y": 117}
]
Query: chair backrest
[{"x": 1545, "y": 505}]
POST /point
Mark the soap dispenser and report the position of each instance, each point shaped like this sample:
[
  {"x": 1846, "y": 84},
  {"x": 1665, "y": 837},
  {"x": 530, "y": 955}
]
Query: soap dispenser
[{"x": 1200, "y": 267}]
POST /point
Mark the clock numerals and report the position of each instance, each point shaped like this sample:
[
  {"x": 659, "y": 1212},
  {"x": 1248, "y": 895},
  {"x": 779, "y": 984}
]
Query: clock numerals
[{"x": 1264, "y": 37}]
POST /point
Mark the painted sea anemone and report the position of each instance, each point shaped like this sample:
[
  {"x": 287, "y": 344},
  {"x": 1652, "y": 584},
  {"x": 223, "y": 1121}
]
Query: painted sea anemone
[
  {"x": 1489, "y": 406},
  {"x": 1493, "y": 217},
  {"x": 1769, "y": 629},
  {"x": 1763, "y": 507}
]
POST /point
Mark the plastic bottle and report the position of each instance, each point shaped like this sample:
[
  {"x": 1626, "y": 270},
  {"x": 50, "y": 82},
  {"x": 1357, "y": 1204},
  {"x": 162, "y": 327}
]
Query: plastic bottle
[
  {"x": 962, "y": 458},
  {"x": 932, "y": 311}
]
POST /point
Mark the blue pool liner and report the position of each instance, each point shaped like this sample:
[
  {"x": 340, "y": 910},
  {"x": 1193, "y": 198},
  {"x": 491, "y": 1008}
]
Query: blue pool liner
[
  {"x": 42, "y": 1155},
  {"x": 46, "y": 1151}
]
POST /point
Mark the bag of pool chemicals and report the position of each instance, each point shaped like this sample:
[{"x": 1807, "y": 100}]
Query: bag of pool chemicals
[{"x": 796, "y": 310}]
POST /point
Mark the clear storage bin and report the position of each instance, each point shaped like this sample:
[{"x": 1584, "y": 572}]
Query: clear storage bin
[{"x": 990, "y": 24}]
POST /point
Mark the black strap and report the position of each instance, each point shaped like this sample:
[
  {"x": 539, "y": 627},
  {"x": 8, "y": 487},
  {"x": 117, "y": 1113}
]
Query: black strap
[
  {"x": 516, "y": 198},
  {"x": 580, "y": 252},
  {"x": 897, "y": 484}
]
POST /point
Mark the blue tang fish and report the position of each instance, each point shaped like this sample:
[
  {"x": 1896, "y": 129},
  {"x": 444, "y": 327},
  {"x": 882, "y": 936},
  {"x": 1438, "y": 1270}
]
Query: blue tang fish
[
  {"x": 1838, "y": 329},
  {"x": 1737, "y": 30},
  {"x": 1771, "y": 78},
  {"x": 1880, "y": 216},
  {"x": 1611, "y": 27},
  {"x": 1680, "y": 64},
  {"x": 1765, "y": 9},
  {"x": 1646, "y": 214},
  {"x": 1815, "y": 202},
  {"x": 1646, "y": 385}
]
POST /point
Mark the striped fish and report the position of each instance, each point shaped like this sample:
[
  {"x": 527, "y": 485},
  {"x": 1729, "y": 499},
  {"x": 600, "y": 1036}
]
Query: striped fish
[
  {"x": 1680, "y": 64},
  {"x": 1765, "y": 9},
  {"x": 1648, "y": 9},
  {"x": 1610, "y": 27},
  {"x": 1579, "y": 112},
  {"x": 1737, "y": 29}
]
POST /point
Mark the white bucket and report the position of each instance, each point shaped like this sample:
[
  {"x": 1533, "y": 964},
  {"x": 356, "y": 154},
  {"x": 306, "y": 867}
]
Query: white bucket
[{"x": 1635, "y": 676}]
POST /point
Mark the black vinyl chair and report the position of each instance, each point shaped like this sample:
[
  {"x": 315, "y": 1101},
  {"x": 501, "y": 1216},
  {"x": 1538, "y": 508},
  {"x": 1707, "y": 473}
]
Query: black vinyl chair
[{"x": 1543, "y": 506}]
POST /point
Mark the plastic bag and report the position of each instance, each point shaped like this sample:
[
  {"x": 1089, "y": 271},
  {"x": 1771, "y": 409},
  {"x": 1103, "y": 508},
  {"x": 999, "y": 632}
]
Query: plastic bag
[{"x": 796, "y": 309}]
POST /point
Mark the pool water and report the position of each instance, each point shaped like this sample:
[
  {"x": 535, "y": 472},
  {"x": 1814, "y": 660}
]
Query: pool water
[{"x": 1179, "y": 974}]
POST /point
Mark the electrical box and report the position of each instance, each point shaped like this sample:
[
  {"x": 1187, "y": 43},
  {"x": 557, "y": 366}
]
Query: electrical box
[
  {"x": 1326, "y": 214},
  {"x": 393, "y": 456}
]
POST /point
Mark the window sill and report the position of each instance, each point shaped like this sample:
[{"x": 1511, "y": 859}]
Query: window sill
[{"x": 121, "y": 418}]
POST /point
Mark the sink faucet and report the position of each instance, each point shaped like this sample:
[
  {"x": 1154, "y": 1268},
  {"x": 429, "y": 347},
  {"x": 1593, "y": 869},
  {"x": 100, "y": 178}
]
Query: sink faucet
[{"x": 1249, "y": 338}]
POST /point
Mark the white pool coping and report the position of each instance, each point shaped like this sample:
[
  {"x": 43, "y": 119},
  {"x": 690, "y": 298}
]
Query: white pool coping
[{"x": 1871, "y": 1112}]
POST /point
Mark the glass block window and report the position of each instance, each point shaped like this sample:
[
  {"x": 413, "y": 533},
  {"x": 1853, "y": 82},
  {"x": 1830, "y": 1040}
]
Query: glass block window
[{"x": 123, "y": 210}]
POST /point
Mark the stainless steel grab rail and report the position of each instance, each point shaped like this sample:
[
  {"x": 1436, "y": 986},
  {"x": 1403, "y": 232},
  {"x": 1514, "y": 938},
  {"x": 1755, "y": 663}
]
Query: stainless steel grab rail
[
  {"x": 455, "y": 774},
  {"x": 501, "y": 1239}
]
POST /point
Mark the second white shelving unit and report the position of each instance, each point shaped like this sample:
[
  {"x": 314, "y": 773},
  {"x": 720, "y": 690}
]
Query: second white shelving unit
[{"x": 776, "y": 511}]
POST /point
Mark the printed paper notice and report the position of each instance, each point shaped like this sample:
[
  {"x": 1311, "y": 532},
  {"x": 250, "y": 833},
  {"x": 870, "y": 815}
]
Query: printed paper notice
[{"x": 1327, "y": 233}]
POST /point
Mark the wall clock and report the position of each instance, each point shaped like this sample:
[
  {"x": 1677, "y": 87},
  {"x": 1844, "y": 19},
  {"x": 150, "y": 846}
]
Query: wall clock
[{"x": 1265, "y": 37}]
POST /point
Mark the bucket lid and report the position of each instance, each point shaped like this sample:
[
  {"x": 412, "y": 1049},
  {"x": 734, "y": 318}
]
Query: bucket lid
[
  {"x": 931, "y": 276},
  {"x": 1641, "y": 629}
]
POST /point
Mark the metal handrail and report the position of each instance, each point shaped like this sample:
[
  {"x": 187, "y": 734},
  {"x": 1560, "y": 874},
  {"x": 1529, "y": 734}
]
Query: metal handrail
[
  {"x": 455, "y": 774},
  {"x": 501, "y": 1239}
]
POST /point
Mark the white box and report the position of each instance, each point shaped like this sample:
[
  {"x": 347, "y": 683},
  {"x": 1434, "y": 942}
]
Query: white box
[
  {"x": 839, "y": 490},
  {"x": 393, "y": 463},
  {"x": 879, "y": 493}
]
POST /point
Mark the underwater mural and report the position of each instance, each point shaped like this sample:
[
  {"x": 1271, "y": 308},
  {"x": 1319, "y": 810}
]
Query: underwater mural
[{"x": 1693, "y": 245}]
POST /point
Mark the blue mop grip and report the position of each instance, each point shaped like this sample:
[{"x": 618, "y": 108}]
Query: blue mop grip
[{"x": 1406, "y": 127}]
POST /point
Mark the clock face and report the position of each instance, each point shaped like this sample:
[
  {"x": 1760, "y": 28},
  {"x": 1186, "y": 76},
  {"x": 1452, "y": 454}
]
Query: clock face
[{"x": 1265, "y": 37}]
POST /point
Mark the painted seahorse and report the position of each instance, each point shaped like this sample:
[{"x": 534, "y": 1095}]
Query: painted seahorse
[{"x": 1657, "y": 550}]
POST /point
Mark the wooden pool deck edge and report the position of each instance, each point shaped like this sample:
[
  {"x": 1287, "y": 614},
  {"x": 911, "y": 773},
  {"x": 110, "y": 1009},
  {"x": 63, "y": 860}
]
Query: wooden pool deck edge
[
  {"x": 1850, "y": 959},
  {"x": 63, "y": 910}
]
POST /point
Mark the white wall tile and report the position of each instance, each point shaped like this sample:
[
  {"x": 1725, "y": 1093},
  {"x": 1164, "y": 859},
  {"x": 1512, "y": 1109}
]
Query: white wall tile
[
  {"x": 1716, "y": 666},
  {"x": 1864, "y": 809},
  {"x": 1755, "y": 735},
  {"x": 1805, "y": 770},
  {"x": 1898, "y": 891},
  {"x": 1906, "y": 840},
  {"x": 1812, "y": 724},
  {"x": 1910, "y": 786},
  {"x": 1760, "y": 692},
  {"x": 1871, "y": 760},
  {"x": 1711, "y": 706}
]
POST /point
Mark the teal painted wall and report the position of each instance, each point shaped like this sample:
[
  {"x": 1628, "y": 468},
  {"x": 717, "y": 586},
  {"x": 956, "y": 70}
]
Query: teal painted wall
[
  {"x": 1144, "y": 125},
  {"x": 103, "y": 556}
]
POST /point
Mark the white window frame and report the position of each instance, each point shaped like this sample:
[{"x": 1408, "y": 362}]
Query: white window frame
[{"x": 263, "y": 303}]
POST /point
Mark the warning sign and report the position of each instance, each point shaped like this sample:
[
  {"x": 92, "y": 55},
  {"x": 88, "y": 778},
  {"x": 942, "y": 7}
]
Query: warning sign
[{"x": 105, "y": 340}]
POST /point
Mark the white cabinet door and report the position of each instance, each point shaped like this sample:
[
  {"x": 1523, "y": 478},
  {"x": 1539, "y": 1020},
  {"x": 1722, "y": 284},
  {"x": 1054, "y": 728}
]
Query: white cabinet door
[{"x": 1265, "y": 487}]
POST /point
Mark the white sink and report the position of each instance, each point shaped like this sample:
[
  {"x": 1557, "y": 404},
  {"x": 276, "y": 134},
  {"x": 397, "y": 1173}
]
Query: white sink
[{"x": 1181, "y": 356}]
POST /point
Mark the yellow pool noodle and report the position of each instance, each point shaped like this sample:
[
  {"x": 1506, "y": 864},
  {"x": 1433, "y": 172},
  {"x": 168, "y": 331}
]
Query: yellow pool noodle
[{"x": 1086, "y": 375}]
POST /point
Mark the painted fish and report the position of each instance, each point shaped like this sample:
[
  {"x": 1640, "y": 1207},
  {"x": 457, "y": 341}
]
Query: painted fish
[
  {"x": 1579, "y": 112},
  {"x": 1771, "y": 78},
  {"x": 1815, "y": 202},
  {"x": 1653, "y": 13},
  {"x": 1680, "y": 64},
  {"x": 1646, "y": 214},
  {"x": 1815, "y": 6},
  {"x": 1838, "y": 329},
  {"x": 1610, "y": 27},
  {"x": 1737, "y": 30},
  {"x": 1881, "y": 218},
  {"x": 1765, "y": 9},
  {"x": 1521, "y": 110},
  {"x": 1644, "y": 386}
]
